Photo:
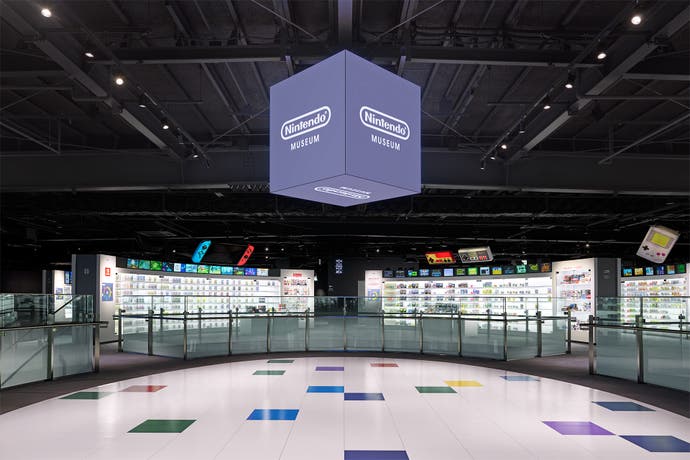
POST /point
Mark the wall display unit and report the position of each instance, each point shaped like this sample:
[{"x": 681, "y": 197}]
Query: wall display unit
[
  {"x": 577, "y": 284},
  {"x": 297, "y": 289},
  {"x": 453, "y": 290},
  {"x": 664, "y": 287}
]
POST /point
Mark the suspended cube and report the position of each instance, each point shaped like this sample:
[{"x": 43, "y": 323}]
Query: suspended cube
[{"x": 345, "y": 132}]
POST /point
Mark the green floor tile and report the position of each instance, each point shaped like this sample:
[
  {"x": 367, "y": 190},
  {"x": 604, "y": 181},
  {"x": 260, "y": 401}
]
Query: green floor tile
[
  {"x": 269, "y": 372},
  {"x": 435, "y": 389},
  {"x": 87, "y": 395},
  {"x": 162, "y": 426},
  {"x": 281, "y": 361}
]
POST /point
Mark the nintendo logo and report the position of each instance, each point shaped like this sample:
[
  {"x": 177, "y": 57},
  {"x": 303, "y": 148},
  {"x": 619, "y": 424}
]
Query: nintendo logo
[
  {"x": 306, "y": 123},
  {"x": 384, "y": 123},
  {"x": 344, "y": 192}
]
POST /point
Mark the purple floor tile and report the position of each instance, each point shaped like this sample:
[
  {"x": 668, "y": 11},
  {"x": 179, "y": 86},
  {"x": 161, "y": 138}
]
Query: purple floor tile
[
  {"x": 330, "y": 368},
  {"x": 659, "y": 443},
  {"x": 376, "y": 455},
  {"x": 578, "y": 428},
  {"x": 364, "y": 397}
]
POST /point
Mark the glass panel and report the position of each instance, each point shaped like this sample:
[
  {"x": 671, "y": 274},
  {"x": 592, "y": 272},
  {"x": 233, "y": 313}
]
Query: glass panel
[
  {"x": 287, "y": 333},
  {"x": 23, "y": 356},
  {"x": 667, "y": 359},
  {"x": 73, "y": 350},
  {"x": 402, "y": 333},
  {"x": 440, "y": 335},
  {"x": 249, "y": 334},
  {"x": 168, "y": 336},
  {"x": 553, "y": 336},
  {"x": 207, "y": 336},
  {"x": 326, "y": 333},
  {"x": 522, "y": 338},
  {"x": 616, "y": 353},
  {"x": 363, "y": 332},
  {"x": 482, "y": 339},
  {"x": 135, "y": 334}
]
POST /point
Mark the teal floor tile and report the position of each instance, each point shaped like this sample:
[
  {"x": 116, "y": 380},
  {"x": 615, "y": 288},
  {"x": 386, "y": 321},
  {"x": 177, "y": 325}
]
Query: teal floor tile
[
  {"x": 281, "y": 361},
  {"x": 435, "y": 390},
  {"x": 269, "y": 372},
  {"x": 87, "y": 395}
]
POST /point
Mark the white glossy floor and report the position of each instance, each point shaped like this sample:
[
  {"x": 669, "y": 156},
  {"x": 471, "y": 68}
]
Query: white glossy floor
[{"x": 429, "y": 411}]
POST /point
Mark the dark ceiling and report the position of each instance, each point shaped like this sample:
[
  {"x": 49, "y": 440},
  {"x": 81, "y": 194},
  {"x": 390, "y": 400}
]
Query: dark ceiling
[{"x": 86, "y": 166}]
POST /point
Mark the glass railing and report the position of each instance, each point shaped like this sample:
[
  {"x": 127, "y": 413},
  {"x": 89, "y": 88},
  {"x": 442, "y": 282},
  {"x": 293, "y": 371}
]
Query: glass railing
[
  {"x": 338, "y": 324},
  {"x": 46, "y": 336},
  {"x": 643, "y": 339}
]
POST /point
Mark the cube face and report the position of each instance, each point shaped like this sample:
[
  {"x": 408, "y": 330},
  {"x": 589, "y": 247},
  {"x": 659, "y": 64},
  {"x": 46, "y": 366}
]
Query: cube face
[{"x": 345, "y": 132}]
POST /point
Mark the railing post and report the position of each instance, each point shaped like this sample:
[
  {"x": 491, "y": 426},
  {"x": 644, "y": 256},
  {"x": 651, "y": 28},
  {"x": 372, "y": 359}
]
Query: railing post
[
  {"x": 199, "y": 310},
  {"x": 505, "y": 335},
  {"x": 51, "y": 354},
  {"x": 162, "y": 313},
  {"x": 229, "y": 332},
  {"x": 120, "y": 334},
  {"x": 96, "y": 348},
  {"x": 150, "y": 332},
  {"x": 306, "y": 329},
  {"x": 459, "y": 333},
  {"x": 539, "y": 336},
  {"x": 344, "y": 326},
  {"x": 640, "y": 349},
  {"x": 592, "y": 363},
  {"x": 569, "y": 332},
  {"x": 184, "y": 334},
  {"x": 421, "y": 332},
  {"x": 383, "y": 331},
  {"x": 268, "y": 331}
]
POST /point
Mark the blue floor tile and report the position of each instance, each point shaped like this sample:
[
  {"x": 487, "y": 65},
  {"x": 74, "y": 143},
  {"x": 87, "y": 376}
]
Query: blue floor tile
[
  {"x": 623, "y": 406},
  {"x": 376, "y": 455},
  {"x": 325, "y": 389},
  {"x": 519, "y": 378},
  {"x": 659, "y": 443},
  {"x": 273, "y": 414},
  {"x": 364, "y": 397}
]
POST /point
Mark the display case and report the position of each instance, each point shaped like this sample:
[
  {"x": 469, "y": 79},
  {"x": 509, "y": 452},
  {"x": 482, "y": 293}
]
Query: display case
[
  {"x": 297, "y": 290},
  {"x": 658, "y": 297}
]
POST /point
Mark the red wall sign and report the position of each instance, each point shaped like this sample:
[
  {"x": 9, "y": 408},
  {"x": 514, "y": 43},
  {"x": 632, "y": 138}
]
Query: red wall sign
[{"x": 107, "y": 271}]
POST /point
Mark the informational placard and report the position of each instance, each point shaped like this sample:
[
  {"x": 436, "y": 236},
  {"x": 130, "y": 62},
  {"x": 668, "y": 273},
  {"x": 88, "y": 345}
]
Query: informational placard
[{"x": 345, "y": 132}]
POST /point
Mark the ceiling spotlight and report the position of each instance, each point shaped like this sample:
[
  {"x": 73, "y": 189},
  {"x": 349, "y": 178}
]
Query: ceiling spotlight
[
  {"x": 636, "y": 18},
  {"x": 504, "y": 147},
  {"x": 601, "y": 55},
  {"x": 46, "y": 12},
  {"x": 89, "y": 55},
  {"x": 570, "y": 83},
  {"x": 482, "y": 165},
  {"x": 547, "y": 103},
  {"x": 378, "y": 250},
  {"x": 196, "y": 155},
  {"x": 142, "y": 102},
  {"x": 521, "y": 129},
  {"x": 119, "y": 81},
  {"x": 164, "y": 124},
  {"x": 492, "y": 157},
  {"x": 266, "y": 248},
  {"x": 587, "y": 245}
]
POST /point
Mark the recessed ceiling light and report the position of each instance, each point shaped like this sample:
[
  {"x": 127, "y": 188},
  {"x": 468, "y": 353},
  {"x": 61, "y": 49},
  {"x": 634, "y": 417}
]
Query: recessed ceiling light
[
  {"x": 601, "y": 55},
  {"x": 165, "y": 125},
  {"x": 492, "y": 157},
  {"x": 504, "y": 146},
  {"x": 636, "y": 19},
  {"x": 547, "y": 103},
  {"x": 119, "y": 81},
  {"x": 570, "y": 83},
  {"x": 196, "y": 155},
  {"x": 482, "y": 165},
  {"x": 521, "y": 129},
  {"x": 89, "y": 54},
  {"x": 142, "y": 102},
  {"x": 46, "y": 12}
]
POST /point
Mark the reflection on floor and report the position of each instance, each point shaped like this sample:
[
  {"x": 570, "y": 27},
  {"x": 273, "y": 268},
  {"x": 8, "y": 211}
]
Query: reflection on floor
[{"x": 351, "y": 408}]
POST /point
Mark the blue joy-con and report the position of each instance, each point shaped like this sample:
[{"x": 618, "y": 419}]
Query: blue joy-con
[{"x": 200, "y": 251}]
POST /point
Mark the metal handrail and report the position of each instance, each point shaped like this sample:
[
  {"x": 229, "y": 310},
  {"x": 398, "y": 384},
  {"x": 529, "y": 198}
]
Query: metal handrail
[
  {"x": 102, "y": 324},
  {"x": 635, "y": 328}
]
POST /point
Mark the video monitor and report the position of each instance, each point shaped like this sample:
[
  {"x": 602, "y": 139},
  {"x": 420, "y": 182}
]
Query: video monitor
[
  {"x": 400, "y": 273},
  {"x": 68, "y": 277},
  {"x": 262, "y": 272},
  {"x": 680, "y": 268},
  {"x": 509, "y": 270},
  {"x": 214, "y": 270},
  {"x": 472, "y": 271},
  {"x": 167, "y": 267},
  {"x": 545, "y": 267},
  {"x": 638, "y": 271},
  {"x": 521, "y": 269},
  {"x": 660, "y": 270},
  {"x": 177, "y": 268},
  {"x": 388, "y": 273},
  {"x": 533, "y": 268},
  {"x": 484, "y": 271},
  {"x": 156, "y": 265},
  {"x": 424, "y": 272},
  {"x": 670, "y": 269},
  {"x": 447, "y": 272},
  {"x": 249, "y": 271},
  {"x": 629, "y": 271},
  {"x": 144, "y": 265},
  {"x": 226, "y": 270},
  {"x": 190, "y": 268},
  {"x": 202, "y": 269},
  {"x": 132, "y": 263},
  {"x": 496, "y": 270},
  {"x": 412, "y": 273},
  {"x": 239, "y": 271},
  {"x": 460, "y": 271},
  {"x": 649, "y": 271},
  {"x": 436, "y": 272}
]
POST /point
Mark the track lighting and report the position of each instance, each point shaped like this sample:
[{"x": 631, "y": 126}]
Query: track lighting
[
  {"x": 504, "y": 146},
  {"x": 482, "y": 165},
  {"x": 119, "y": 81},
  {"x": 547, "y": 103},
  {"x": 601, "y": 55},
  {"x": 89, "y": 55},
  {"x": 142, "y": 102},
  {"x": 492, "y": 157},
  {"x": 570, "y": 83},
  {"x": 521, "y": 129},
  {"x": 46, "y": 12},
  {"x": 164, "y": 124}
]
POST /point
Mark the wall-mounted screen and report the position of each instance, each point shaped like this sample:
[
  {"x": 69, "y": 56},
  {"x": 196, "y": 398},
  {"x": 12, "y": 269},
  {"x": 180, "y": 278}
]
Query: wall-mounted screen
[
  {"x": 262, "y": 272},
  {"x": 521, "y": 269},
  {"x": 68, "y": 277},
  {"x": 239, "y": 271},
  {"x": 638, "y": 271},
  {"x": 545, "y": 267},
  {"x": 509, "y": 270},
  {"x": 460, "y": 272},
  {"x": 249, "y": 271},
  {"x": 226, "y": 270},
  {"x": 447, "y": 272},
  {"x": 670, "y": 269},
  {"x": 388, "y": 273},
  {"x": 190, "y": 268},
  {"x": 473, "y": 271},
  {"x": 156, "y": 265},
  {"x": 202, "y": 269},
  {"x": 177, "y": 268},
  {"x": 484, "y": 271},
  {"x": 436, "y": 272},
  {"x": 132, "y": 263},
  {"x": 629, "y": 272},
  {"x": 533, "y": 268},
  {"x": 412, "y": 273},
  {"x": 144, "y": 265},
  {"x": 400, "y": 273},
  {"x": 649, "y": 271},
  {"x": 214, "y": 270},
  {"x": 167, "y": 267},
  {"x": 680, "y": 268},
  {"x": 424, "y": 272},
  {"x": 496, "y": 270},
  {"x": 660, "y": 270}
]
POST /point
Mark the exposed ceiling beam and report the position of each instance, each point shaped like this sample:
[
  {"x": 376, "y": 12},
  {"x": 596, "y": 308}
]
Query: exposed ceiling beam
[
  {"x": 345, "y": 22},
  {"x": 28, "y": 136},
  {"x": 630, "y": 60},
  {"x": 660, "y": 69},
  {"x": 276, "y": 53}
]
